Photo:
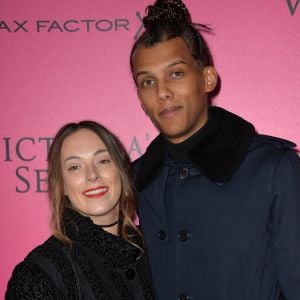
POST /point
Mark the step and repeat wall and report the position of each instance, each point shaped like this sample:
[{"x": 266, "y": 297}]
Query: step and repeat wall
[{"x": 63, "y": 61}]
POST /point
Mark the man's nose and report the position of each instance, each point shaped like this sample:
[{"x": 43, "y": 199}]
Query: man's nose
[{"x": 164, "y": 91}]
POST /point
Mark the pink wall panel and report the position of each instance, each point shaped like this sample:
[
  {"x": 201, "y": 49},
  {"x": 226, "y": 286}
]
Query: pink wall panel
[{"x": 68, "y": 61}]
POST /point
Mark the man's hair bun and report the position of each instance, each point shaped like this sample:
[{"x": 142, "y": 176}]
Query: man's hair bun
[{"x": 166, "y": 11}]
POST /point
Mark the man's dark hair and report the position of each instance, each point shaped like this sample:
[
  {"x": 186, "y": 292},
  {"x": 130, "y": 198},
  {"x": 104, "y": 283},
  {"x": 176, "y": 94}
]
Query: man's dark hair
[{"x": 168, "y": 19}]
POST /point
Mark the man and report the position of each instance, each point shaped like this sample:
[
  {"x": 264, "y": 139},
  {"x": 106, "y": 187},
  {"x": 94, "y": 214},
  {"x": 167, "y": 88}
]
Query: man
[{"x": 218, "y": 203}]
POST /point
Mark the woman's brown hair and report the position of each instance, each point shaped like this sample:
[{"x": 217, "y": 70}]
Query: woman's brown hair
[{"x": 127, "y": 204}]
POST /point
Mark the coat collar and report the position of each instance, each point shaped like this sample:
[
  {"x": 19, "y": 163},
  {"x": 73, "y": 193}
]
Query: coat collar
[
  {"x": 218, "y": 154},
  {"x": 81, "y": 229}
]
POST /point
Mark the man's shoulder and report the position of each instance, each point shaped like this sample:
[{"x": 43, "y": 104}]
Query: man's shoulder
[
  {"x": 273, "y": 149},
  {"x": 154, "y": 152},
  {"x": 272, "y": 144},
  {"x": 146, "y": 167},
  {"x": 272, "y": 141},
  {"x": 136, "y": 163}
]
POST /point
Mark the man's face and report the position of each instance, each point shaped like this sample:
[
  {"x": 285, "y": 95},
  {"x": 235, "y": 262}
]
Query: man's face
[{"x": 172, "y": 88}]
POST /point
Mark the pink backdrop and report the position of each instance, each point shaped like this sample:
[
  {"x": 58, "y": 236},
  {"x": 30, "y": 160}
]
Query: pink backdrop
[{"x": 65, "y": 61}]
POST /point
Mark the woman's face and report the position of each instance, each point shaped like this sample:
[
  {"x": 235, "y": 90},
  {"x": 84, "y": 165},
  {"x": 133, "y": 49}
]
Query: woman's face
[{"x": 91, "y": 179}]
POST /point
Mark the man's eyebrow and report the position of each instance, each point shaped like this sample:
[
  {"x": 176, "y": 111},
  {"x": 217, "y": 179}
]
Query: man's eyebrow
[
  {"x": 177, "y": 62},
  {"x": 172, "y": 64},
  {"x": 78, "y": 157}
]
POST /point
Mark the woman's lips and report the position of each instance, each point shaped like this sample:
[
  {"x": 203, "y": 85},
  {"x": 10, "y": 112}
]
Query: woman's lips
[
  {"x": 96, "y": 192},
  {"x": 169, "y": 112}
]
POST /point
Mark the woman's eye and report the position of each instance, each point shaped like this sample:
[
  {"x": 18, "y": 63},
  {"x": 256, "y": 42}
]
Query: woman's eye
[
  {"x": 177, "y": 74},
  {"x": 74, "y": 168},
  {"x": 104, "y": 161}
]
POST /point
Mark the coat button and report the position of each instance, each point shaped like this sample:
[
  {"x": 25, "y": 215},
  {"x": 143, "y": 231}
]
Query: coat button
[
  {"x": 182, "y": 235},
  {"x": 129, "y": 273},
  {"x": 182, "y": 296},
  {"x": 162, "y": 235},
  {"x": 183, "y": 173}
]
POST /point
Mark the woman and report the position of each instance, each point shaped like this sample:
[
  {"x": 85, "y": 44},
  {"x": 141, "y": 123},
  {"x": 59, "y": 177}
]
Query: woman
[{"x": 95, "y": 251}]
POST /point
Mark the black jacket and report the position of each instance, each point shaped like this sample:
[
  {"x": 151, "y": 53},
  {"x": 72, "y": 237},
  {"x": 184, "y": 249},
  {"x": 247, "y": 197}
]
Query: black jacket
[
  {"x": 225, "y": 225},
  {"x": 99, "y": 265}
]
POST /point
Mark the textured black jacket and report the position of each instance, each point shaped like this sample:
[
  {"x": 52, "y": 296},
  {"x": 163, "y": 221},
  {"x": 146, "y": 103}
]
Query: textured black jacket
[{"x": 98, "y": 266}]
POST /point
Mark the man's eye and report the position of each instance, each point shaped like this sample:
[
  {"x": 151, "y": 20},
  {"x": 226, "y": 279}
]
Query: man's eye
[
  {"x": 148, "y": 82},
  {"x": 177, "y": 74}
]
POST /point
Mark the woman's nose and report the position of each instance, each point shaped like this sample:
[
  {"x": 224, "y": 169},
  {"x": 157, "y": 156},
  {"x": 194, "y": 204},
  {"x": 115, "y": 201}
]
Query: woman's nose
[{"x": 92, "y": 174}]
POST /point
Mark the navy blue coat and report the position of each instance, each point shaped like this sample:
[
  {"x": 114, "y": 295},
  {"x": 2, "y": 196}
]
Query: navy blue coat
[{"x": 226, "y": 225}]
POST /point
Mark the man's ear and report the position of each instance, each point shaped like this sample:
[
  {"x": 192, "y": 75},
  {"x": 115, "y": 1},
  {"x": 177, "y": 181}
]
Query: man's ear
[{"x": 210, "y": 78}]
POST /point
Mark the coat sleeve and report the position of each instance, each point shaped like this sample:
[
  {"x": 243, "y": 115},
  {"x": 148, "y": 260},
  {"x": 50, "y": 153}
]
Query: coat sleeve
[
  {"x": 285, "y": 234},
  {"x": 29, "y": 282}
]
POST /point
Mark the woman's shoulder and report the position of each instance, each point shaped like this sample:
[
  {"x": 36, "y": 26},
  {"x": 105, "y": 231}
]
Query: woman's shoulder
[{"x": 29, "y": 279}]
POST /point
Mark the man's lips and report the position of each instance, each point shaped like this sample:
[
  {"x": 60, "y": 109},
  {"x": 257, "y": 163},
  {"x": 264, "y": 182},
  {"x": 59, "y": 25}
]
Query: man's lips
[
  {"x": 96, "y": 192},
  {"x": 169, "y": 112}
]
